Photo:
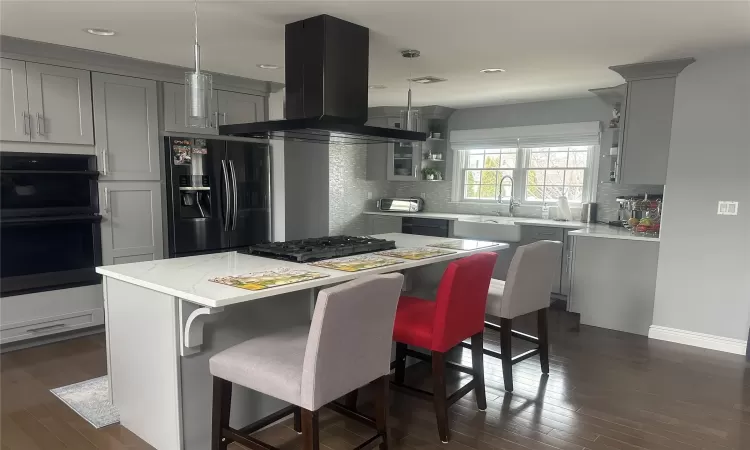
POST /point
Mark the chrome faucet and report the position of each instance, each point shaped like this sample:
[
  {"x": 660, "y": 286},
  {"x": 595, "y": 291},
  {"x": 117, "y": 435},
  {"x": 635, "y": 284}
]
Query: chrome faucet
[{"x": 513, "y": 202}]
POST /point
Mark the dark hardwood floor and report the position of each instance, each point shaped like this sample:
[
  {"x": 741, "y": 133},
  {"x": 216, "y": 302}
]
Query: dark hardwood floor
[{"x": 606, "y": 391}]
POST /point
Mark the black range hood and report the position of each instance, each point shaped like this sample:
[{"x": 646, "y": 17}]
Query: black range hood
[{"x": 326, "y": 88}]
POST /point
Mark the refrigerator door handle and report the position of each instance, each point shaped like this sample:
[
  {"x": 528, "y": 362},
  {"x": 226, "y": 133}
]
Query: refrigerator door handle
[
  {"x": 234, "y": 194},
  {"x": 226, "y": 194}
]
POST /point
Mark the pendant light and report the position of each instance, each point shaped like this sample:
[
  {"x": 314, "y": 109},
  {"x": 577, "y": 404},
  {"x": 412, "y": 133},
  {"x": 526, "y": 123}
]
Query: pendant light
[
  {"x": 198, "y": 89},
  {"x": 410, "y": 116}
]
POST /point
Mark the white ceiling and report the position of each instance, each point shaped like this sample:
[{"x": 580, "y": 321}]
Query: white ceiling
[{"x": 551, "y": 49}]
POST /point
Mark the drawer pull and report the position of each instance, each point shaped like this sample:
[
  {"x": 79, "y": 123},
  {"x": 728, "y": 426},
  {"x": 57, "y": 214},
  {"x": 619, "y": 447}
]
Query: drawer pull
[{"x": 48, "y": 327}]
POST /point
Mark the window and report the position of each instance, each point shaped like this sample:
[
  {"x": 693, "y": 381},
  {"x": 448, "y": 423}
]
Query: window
[
  {"x": 540, "y": 174},
  {"x": 543, "y": 168},
  {"x": 484, "y": 169},
  {"x": 550, "y": 172}
]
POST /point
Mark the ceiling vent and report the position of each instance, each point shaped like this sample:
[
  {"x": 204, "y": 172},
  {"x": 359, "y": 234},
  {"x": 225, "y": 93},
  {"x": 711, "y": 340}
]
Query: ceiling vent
[{"x": 429, "y": 79}]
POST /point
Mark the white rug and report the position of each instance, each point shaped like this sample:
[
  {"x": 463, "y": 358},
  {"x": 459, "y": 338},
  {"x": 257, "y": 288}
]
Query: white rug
[{"x": 90, "y": 400}]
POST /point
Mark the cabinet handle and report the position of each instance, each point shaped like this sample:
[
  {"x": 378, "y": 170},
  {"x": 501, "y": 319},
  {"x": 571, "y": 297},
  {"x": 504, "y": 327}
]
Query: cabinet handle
[
  {"x": 40, "y": 124},
  {"x": 104, "y": 162},
  {"x": 224, "y": 116},
  {"x": 215, "y": 123},
  {"x": 106, "y": 200},
  {"x": 415, "y": 171},
  {"x": 48, "y": 327},
  {"x": 26, "y": 123}
]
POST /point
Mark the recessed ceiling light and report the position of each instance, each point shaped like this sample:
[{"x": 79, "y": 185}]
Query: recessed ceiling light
[
  {"x": 497, "y": 70},
  {"x": 428, "y": 80},
  {"x": 377, "y": 86},
  {"x": 268, "y": 66},
  {"x": 100, "y": 31}
]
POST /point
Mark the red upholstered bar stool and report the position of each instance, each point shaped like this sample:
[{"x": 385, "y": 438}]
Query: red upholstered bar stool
[{"x": 456, "y": 314}]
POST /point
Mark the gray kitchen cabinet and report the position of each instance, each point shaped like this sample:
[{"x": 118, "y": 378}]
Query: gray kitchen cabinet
[
  {"x": 647, "y": 131},
  {"x": 15, "y": 123},
  {"x": 131, "y": 221},
  {"x": 226, "y": 108},
  {"x": 234, "y": 107},
  {"x": 613, "y": 283},
  {"x": 531, "y": 234},
  {"x": 126, "y": 127},
  {"x": 392, "y": 161},
  {"x": 174, "y": 111},
  {"x": 384, "y": 224},
  {"x": 60, "y": 104},
  {"x": 646, "y": 121}
]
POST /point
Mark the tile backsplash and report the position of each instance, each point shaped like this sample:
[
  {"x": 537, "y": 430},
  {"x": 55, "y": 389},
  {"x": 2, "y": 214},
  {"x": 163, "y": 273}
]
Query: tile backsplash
[{"x": 348, "y": 190}]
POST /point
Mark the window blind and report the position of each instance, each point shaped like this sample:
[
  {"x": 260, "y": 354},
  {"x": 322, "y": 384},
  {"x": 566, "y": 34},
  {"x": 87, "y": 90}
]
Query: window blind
[{"x": 564, "y": 134}]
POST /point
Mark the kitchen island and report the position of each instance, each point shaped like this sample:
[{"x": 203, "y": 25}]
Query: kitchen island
[{"x": 165, "y": 319}]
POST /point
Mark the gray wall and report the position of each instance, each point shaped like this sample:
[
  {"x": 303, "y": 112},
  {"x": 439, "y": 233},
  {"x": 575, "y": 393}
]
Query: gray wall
[
  {"x": 589, "y": 109},
  {"x": 703, "y": 278},
  {"x": 348, "y": 190}
]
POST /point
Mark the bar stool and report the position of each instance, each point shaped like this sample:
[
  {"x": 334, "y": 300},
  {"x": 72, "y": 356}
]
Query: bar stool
[
  {"x": 526, "y": 290},
  {"x": 347, "y": 346},
  {"x": 456, "y": 314}
]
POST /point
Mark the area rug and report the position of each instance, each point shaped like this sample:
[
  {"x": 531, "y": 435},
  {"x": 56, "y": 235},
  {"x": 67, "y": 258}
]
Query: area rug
[{"x": 90, "y": 400}]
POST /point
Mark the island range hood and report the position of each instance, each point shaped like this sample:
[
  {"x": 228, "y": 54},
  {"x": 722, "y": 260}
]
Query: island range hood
[{"x": 326, "y": 88}]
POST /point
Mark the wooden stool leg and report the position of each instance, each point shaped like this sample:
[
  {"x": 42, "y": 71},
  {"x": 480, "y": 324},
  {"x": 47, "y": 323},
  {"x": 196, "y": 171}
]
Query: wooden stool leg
[
  {"x": 298, "y": 420},
  {"x": 439, "y": 396},
  {"x": 350, "y": 400},
  {"x": 505, "y": 353},
  {"x": 543, "y": 333},
  {"x": 477, "y": 363},
  {"x": 310, "y": 430},
  {"x": 222, "y": 399},
  {"x": 381, "y": 409},
  {"x": 400, "y": 362}
]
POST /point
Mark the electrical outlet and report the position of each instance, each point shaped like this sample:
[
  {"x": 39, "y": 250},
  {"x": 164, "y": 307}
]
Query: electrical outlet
[
  {"x": 728, "y": 208},
  {"x": 423, "y": 195},
  {"x": 369, "y": 196}
]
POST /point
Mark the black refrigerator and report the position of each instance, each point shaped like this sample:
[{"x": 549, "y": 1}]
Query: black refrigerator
[{"x": 218, "y": 195}]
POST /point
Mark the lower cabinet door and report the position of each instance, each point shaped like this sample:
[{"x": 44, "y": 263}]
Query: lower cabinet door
[{"x": 131, "y": 221}]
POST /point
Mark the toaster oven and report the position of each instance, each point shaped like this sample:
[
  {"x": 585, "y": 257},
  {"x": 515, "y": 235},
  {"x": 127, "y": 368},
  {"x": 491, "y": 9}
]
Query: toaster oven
[{"x": 414, "y": 204}]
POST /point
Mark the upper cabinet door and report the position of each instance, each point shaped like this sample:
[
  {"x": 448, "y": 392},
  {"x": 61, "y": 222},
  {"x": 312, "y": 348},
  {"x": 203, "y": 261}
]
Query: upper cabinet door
[
  {"x": 14, "y": 108},
  {"x": 647, "y": 131},
  {"x": 174, "y": 111},
  {"x": 60, "y": 104},
  {"x": 126, "y": 126},
  {"x": 240, "y": 108}
]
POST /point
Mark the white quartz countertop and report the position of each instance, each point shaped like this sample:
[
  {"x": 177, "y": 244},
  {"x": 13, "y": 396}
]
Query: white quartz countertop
[
  {"x": 606, "y": 231},
  {"x": 188, "y": 278},
  {"x": 577, "y": 228},
  {"x": 475, "y": 217}
]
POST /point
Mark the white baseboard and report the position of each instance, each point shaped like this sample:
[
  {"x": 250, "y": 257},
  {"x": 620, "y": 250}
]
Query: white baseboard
[{"x": 709, "y": 341}]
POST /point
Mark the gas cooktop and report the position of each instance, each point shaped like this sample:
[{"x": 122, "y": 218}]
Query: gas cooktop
[{"x": 315, "y": 249}]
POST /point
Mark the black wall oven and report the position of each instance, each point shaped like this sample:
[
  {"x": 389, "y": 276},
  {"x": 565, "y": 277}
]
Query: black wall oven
[{"x": 50, "y": 236}]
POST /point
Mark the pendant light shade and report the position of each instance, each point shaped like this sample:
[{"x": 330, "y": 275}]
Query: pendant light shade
[
  {"x": 198, "y": 90},
  {"x": 409, "y": 116}
]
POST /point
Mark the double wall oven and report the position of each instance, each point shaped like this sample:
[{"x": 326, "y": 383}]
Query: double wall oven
[{"x": 50, "y": 236}]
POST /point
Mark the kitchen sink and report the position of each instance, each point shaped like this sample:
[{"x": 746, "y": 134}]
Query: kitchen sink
[{"x": 491, "y": 228}]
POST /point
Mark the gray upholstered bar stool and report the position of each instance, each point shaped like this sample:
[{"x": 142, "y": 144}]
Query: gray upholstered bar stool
[
  {"x": 527, "y": 289},
  {"x": 347, "y": 346}
]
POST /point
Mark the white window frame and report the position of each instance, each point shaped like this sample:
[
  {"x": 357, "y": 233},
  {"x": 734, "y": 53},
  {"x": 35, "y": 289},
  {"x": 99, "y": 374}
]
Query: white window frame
[{"x": 487, "y": 139}]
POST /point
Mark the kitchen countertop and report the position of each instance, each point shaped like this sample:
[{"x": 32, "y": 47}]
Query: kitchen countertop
[
  {"x": 472, "y": 217},
  {"x": 607, "y": 231},
  {"x": 577, "y": 228},
  {"x": 188, "y": 277}
]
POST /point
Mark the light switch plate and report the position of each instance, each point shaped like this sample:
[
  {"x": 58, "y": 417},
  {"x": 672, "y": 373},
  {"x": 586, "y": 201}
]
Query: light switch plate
[
  {"x": 369, "y": 196},
  {"x": 728, "y": 208},
  {"x": 423, "y": 195}
]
